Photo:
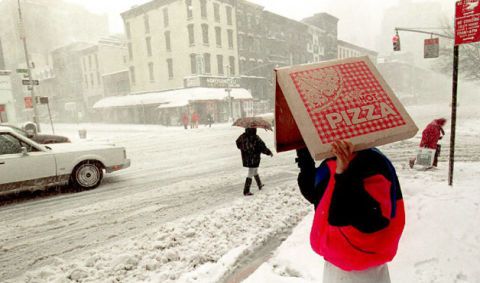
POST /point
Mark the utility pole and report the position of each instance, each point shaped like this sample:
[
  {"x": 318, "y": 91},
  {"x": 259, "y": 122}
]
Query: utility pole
[
  {"x": 23, "y": 36},
  {"x": 454, "y": 116},
  {"x": 229, "y": 91}
]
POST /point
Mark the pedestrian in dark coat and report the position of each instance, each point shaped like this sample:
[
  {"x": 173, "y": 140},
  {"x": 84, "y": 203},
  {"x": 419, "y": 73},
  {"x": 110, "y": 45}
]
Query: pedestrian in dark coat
[
  {"x": 251, "y": 147},
  {"x": 209, "y": 120},
  {"x": 430, "y": 136}
]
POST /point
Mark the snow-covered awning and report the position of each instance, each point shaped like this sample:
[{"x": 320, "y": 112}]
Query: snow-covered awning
[{"x": 172, "y": 98}]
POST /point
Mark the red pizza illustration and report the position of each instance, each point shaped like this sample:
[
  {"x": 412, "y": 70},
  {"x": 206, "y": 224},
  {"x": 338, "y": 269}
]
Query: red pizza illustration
[{"x": 345, "y": 101}]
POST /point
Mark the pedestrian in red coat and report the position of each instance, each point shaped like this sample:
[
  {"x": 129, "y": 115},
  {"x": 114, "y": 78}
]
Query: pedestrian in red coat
[
  {"x": 195, "y": 120},
  {"x": 185, "y": 121},
  {"x": 430, "y": 137}
]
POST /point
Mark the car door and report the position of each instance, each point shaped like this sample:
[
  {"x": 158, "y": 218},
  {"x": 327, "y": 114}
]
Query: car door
[{"x": 20, "y": 171}]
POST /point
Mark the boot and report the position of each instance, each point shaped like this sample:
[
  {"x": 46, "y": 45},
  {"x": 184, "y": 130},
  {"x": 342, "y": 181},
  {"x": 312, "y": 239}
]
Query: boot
[
  {"x": 259, "y": 182},
  {"x": 246, "y": 189},
  {"x": 411, "y": 162}
]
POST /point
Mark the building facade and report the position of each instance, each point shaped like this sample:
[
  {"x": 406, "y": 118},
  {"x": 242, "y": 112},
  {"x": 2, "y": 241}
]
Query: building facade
[
  {"x": 107, "y": 58},
  {"x": 349, "y": 50},
  {"x": 169, "y": 40},
  {"x": 189, "y": 44},
  {"x": 47, "y": 25}
]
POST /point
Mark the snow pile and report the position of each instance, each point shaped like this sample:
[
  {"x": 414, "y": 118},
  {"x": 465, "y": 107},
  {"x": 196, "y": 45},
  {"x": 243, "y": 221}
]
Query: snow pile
[
  {"x": 441, "y": 242},
  {"x": 199, "y": 248}
]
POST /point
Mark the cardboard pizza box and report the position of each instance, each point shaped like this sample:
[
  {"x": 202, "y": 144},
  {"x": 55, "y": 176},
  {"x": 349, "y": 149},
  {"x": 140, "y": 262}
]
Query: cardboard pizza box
[{"x": 318, "y": 104}]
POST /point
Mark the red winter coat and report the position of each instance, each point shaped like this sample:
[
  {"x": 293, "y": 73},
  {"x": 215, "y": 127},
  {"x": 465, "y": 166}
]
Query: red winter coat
[
  {"x": 360, "y": 214},
  {"x": 195, "y": 117},
  {"x": 185, "y": 119},
  {"x": 431, "y": 135}
]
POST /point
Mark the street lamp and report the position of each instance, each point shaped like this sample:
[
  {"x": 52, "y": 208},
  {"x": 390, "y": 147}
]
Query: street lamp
[{"x": 229, "y": 92}]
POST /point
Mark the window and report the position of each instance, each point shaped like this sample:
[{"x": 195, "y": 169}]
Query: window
[
  {"x": 203, "y": 8},
  {"x": 191, "y": 35},
  {"x": 86, "y": 81},
  {"x": 240, "y": 42},
  {"x": 9, "y": 144},
  {"x": 167, "y": 41},
  {"x": 205, "y": 34},
  {"x": 220, "y": 64},
  {"x": 151, "y": 72},
  {"x": 230, "y": 39},
  {"x": 189, "y": 9},
  {"x": 208, "y": 66},
  {"x": 90, "y": 62},
  {"x": 96, "y": 61},
  {"x": 146, "y": 21},
  {"x": 170, "y": 68},
  {"x": 256, "y": 43},
  {"x": 149, "y": 46},
  {"x": 218, "y": 36},
  {"x": 99, "y": 80},
  {"x": 229, "y": 15},
  {"x": 92, "y": 82},
  {"x": 132, "y": 75},
  {"x": 130, "y": 51},
  {"x": 193, "y": 63},
  {"x": 232, "y": 65},
  {"x": 166, "y": 20},
  {"x": 216, "y": 12},
  {"x": 128, "y": 31}
]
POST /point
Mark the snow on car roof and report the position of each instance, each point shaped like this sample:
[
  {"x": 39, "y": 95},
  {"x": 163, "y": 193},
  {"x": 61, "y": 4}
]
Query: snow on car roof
[{"x": 172, "y": 98}]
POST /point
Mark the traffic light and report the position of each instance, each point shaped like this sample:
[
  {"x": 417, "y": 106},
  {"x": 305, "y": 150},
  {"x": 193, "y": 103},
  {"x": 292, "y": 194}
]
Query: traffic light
[{"x": 396, "y": 43}]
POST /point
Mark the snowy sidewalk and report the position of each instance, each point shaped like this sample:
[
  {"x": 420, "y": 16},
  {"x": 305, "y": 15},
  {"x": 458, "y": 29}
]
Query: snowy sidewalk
[{"x": 441, "y": 242}]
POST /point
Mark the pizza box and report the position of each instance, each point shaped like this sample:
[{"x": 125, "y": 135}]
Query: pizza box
[{"x": 318, "y": 104}]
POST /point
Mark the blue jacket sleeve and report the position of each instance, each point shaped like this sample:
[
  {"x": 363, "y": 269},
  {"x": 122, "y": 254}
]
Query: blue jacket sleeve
[{"x": 311, "y": 185}]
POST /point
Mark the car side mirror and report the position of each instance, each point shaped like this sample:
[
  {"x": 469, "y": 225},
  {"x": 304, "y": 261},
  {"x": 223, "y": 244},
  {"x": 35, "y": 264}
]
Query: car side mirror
[{"x": 24, "y": 151}]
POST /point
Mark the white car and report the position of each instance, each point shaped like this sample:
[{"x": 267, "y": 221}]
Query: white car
[{"x": 27, "y": 165}]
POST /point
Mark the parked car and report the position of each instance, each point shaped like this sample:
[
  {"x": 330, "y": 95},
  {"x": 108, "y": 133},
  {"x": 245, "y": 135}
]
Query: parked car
[
  {"x": 27, "y": 165},
  {"x": 39, "y": 138}
]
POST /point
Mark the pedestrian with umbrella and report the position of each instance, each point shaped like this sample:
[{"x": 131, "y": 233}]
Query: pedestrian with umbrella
[{"x": 252, "y": 147}]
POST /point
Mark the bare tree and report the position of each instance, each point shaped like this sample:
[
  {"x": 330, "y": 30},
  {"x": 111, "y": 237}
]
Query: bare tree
[{"x": 469, "y": 57}]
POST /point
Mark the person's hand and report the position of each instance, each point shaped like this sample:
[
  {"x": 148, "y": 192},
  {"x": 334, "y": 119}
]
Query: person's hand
[{"x": 343, "y": 150}]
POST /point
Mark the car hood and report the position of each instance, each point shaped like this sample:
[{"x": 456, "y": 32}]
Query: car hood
[{"x": 69, "y": 147}]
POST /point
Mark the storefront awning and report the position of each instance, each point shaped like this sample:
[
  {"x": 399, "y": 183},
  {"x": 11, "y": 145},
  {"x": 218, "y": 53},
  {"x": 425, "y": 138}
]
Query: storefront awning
[{"x": 172, "y": 98}]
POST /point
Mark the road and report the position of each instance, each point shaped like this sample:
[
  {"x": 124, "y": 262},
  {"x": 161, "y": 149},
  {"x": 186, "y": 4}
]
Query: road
[{"x": 174, "y": 173}]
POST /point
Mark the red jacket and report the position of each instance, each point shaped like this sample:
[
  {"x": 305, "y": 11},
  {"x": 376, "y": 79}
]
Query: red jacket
[
  {"x": 359, "y": 216},
  {"x": 185, "y": 119},
  {"x": 431, "y": 135}
]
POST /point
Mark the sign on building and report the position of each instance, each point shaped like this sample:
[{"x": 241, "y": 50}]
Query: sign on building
[
  {"x": 432, "y": 48},
  {"x": 467, "y": 22},
  {"x": 30, "y": 82},
  {"x": 212, "y": 82},
  {"x": 28, "y": 101}
]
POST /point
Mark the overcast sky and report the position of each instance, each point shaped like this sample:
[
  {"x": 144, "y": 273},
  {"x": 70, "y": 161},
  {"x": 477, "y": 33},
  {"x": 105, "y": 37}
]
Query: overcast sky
[{"x": 359, "y": 19}]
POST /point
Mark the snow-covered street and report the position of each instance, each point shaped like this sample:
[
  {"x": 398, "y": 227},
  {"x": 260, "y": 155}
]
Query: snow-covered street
[{"x": 178, "y": 213}]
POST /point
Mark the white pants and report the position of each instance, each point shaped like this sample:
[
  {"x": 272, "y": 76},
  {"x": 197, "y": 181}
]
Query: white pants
[
  {"x": 252, "y": 172},
  {"x": 333, "y": 274}
]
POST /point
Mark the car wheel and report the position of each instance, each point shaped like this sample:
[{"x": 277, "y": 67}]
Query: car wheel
[{"x": 87, "y": 175}]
